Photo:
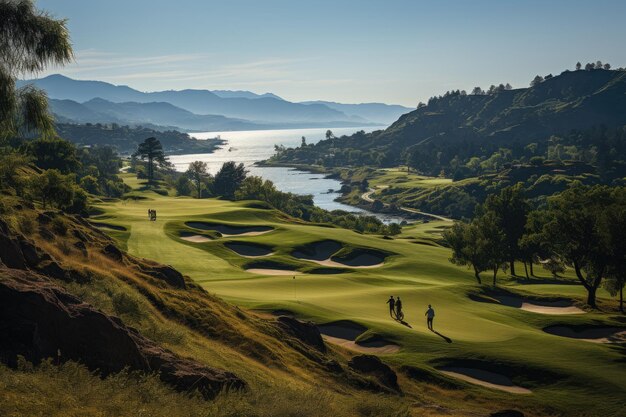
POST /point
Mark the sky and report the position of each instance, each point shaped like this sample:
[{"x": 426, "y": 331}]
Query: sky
[{"x": 351, "y": 51}]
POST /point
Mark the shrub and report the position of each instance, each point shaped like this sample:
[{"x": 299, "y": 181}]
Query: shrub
[
  {"x": 125, "y": 304},
  {"x": 26, "y": 224},
  {"x": 59, "y": 225}
]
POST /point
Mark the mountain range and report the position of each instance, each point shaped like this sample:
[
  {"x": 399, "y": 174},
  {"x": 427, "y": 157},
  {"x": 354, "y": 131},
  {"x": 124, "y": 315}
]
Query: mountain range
[{"x": 96, "y": 101}]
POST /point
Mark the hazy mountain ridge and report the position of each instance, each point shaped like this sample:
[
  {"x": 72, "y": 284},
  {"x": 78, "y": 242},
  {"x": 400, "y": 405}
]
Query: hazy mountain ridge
[
  {"x": 255, "y": 108},
  {"x": 377, "y": 112}
]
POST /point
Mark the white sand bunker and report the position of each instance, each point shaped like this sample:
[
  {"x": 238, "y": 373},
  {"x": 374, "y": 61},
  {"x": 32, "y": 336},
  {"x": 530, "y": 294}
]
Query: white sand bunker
[
  {"x": 195, "y": 238},
  {"x": 484, "y": 378},
  {"x": 228, "y": 230},
  {"x": 556, "y": 307},
  {"x": 595, "y": 334},
  {"x": 552, "y": 307},
  {"x": 249, "y": 250},
  {"x": 322, "y": 254},
  {"x": 344, "y": 333}
]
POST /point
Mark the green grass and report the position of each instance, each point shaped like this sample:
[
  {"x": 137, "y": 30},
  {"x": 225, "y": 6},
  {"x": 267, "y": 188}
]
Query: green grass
[{"x": 564, "y": 374}]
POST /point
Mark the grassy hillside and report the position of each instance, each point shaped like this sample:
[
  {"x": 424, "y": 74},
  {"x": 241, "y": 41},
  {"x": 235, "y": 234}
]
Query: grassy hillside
[{"x": 477, "y": 327}]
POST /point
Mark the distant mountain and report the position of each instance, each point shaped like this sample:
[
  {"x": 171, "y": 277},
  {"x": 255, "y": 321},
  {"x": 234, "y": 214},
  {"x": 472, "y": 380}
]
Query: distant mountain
[
  {"x": 260, "y": 109},
  {"x": 243, "y": 94},
  {"x": 374, "y": 112},
  {"x": 146, "y": 114}
]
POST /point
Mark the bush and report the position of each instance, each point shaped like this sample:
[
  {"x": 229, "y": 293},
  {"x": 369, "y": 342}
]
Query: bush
[
  {"x": 124, "y": 304},
  {"x": 26, "y": 224},
  {"x": 59, "y": 225}
]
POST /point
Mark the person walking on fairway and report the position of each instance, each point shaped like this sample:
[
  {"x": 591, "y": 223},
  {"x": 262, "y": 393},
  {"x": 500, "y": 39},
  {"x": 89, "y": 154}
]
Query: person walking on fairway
[
  {"x": 392, "y": 305},
  {"x": 430, "y": 315},
  {"x": 399, "y": 314}
]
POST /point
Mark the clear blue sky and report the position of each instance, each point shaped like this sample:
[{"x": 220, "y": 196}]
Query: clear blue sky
[{"x": 350, "y": 51}]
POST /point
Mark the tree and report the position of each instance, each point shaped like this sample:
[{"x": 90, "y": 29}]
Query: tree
[
  {"x": 152, "y": 150},
  {"x": 616, "y": 270},
  {"x": 53, "y": 153},
  {"x": 508, "y": 86},
  {"x": 607, "y": 66},
  {"x": 589, "y": 66},
  {"x": 463, "y": 238},
  {"x": 536, "y": 81},
  {"x": 492, "y": 242},
  {"x": 30, "y": 40},
  {"x": 577, "y": 231},
  {"x": 54, "y": 188},
  {"x": 578, "y": 66},
  {"x": 598, "y": 64},
  {"x": 477, "y": 91},
  {"x": 183, "y": 185},
  {"x": 510, "y": 210},
  {"x": 329, "y": 134},
  {"x": 303, "y": 144},
  {"x": 554, "y": 265},
  {"x": 197, "y": 173},
  {"x": 229, "y": 178},
  {"x": 477, "y": 244}
]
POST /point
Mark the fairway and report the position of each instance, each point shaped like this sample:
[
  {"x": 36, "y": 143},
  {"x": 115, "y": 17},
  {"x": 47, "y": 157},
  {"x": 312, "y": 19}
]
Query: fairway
[{"x": 250, "y": 255}]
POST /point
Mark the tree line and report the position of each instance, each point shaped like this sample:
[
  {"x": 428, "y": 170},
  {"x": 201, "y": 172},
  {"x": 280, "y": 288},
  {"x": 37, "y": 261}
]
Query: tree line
[{"x": 581, "y": 228}]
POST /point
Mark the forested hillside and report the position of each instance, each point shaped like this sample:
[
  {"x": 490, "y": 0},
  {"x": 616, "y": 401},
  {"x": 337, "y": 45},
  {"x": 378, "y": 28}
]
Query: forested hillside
[{"x": 577, "y": 115}]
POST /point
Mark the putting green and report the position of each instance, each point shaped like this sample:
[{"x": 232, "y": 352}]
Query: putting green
[{"x": 563, "y": 372}]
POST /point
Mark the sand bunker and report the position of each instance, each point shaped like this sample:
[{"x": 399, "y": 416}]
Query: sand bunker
[
  {"x": 109, "y": 226},
  {"x": 266, "y": 271},
  {"x": 322, "y": 254},
  {"x": 249, "y": 250},
  {"x": 589, "y": 333},
  {"x": 317, "y": 251},
  {"x": 344, "y": 333},
  {"x": 484, "y": 378},
  {"x": 557, "y": 307},
  {"x": 227, "y": 230},
  {"x": 361, "y": 259},
  {"x": 552, "y": 307},
  {"x": 195, "y": 238}
]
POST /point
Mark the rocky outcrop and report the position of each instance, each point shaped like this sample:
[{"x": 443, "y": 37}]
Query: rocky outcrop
[
  {"x": 39, "y": 319},
  {"x": 163, "y": 273},
  {"x": 306, "y": 332},
  {"x": 372, "y": 365}
]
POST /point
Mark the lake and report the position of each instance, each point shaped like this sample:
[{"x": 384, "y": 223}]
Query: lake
[{"x": 252, "y": 146}]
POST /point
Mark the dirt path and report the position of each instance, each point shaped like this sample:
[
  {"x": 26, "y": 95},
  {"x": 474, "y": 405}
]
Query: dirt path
[{"x": 367, "y": 196}]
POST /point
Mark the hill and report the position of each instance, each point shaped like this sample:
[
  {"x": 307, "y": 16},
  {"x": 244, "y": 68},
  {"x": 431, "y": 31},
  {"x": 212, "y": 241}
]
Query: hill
[
  {"x": 125, "y": 139},
  {"x": 455, "y": 127}
]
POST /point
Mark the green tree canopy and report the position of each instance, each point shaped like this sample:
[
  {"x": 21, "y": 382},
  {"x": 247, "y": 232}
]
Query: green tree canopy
[
  {"x": 152, "y": 150},
  {"x": 197, "y": 174},
  {"x": 229, "y": 178},
  {"x": 53, "y": 153},
  {"x": 578, "y": 232}
]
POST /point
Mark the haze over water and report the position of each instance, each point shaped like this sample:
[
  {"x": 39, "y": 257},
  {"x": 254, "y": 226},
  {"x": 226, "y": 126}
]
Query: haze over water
[{"x": 248, "y": 147}]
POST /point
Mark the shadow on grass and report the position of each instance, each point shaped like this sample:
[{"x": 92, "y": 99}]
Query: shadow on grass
[{"x": 446, "y": 338}]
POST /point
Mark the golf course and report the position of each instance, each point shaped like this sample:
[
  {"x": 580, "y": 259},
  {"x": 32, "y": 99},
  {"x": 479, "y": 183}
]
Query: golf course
[{"x": 533, "y": 338}]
